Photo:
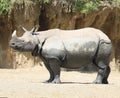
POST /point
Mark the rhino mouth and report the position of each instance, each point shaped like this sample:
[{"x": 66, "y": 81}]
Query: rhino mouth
[{"x": 17, "y": 48}]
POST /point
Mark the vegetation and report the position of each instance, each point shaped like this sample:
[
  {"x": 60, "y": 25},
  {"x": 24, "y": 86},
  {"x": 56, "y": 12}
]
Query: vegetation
[
  {"x": 28, "y": 1},
  {"x": 5, "y": 7},
  {"x": 82, "y": 6},
  {"x": 116, "y": 3},
  {"x": 85, "y": 5}
]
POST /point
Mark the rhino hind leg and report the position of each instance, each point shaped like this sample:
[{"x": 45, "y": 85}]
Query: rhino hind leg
[
  {"x": 102, "y": 62},
  {"x": 107, "y": 72},
  {"x": 102, "y": 76}
]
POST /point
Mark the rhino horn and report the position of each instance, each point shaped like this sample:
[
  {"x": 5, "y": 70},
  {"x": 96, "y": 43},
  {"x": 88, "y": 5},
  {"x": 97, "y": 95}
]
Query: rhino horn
[{"x": 14, "y": 34}]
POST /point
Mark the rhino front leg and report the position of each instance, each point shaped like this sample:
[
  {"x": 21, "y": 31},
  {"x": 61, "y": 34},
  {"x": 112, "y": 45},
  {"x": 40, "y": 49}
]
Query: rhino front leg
[
  {"x": 50, "y": 72},
  {"x": 55, "y": 67}
]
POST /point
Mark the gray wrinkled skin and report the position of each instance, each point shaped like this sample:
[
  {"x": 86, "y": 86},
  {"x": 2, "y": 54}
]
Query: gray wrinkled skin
[{"x": 68, "y": 49}]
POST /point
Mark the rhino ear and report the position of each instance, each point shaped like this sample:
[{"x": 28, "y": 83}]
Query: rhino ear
[
  {"x": 14, "y": 34},
  {"x": 33, "y": 29},
  {"x": 24, "y": 29},
  {"x": 37, "y": 27}
]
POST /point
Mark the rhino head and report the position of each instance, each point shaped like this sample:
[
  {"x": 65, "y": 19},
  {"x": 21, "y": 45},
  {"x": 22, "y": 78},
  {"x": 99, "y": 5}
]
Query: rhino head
[{"x": 26, "y": 42}]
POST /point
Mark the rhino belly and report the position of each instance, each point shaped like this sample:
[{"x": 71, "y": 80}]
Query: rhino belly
[
  {"x": 79, "y": 52},
  {"x": 74, "y": 62}
]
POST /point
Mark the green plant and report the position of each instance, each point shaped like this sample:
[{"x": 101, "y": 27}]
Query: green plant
[
  {"x": 85, "y": 5},
  {"x": 5, "y": 7},
  {"x": 44, "y": 1},
  {"x": 82, "y": 6},
  {"x": 116, "y": 3}
]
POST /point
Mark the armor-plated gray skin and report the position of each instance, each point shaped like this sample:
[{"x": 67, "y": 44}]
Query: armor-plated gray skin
[{"x": 68, "y": 49}]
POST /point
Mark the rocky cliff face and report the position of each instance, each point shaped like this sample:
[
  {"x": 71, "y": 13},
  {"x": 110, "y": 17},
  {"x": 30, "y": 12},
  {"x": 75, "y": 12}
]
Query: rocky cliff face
[
  {"x": 55, "y": 16},
  {"x": 5, "y": 53},
  {"x": 22, "y": 15}
]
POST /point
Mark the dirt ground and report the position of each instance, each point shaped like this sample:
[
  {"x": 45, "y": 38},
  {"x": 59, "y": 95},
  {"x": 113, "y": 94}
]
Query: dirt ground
[{"x": 28, "y": 83}]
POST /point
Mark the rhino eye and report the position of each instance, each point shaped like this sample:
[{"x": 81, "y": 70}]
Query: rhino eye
[
  {"x": 33, "y": 33},
  {"x": 23, "y": 41}
]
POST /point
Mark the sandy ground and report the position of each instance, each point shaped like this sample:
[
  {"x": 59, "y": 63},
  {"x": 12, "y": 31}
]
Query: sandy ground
[{"x": 28, "y": 83}]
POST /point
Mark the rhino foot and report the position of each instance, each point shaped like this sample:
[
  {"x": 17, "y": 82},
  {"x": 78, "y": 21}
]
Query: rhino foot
[
  {"x": 97, "y": 82},
  {"x": 50, "y": 80},
  {"x": 56, "y": 79},
  {"x": 47, "y": 81},
  {"x": 105, "y": 81}
]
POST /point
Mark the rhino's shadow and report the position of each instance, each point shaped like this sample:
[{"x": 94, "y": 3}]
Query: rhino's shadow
[
  {"x": 70, "y": 83},
  {"x": 76, "y": 83}
]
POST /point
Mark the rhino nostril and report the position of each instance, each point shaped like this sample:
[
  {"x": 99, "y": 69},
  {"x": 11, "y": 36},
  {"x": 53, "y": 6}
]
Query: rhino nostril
[
  {"x": 13, "y": 44},
  {"x": 16, "y": 46}
]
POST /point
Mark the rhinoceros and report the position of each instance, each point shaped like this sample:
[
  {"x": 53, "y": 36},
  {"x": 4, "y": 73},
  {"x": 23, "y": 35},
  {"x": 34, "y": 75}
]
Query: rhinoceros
[{"x": 71, "y": 49}]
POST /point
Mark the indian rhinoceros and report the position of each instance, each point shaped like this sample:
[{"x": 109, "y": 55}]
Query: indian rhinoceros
[{"x": 68, "y": 49}]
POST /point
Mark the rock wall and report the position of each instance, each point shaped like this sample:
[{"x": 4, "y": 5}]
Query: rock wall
[
  {"x": 5, "y": 53},
  {"x": 26, "y": 15},
  {"x": 55, "y": 16},
  {"x": 22, "y": 15}
]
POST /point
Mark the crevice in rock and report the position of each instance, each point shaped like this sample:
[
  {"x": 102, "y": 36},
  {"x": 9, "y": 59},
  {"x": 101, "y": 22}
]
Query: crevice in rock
[{"x": 43, "y": 21}]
